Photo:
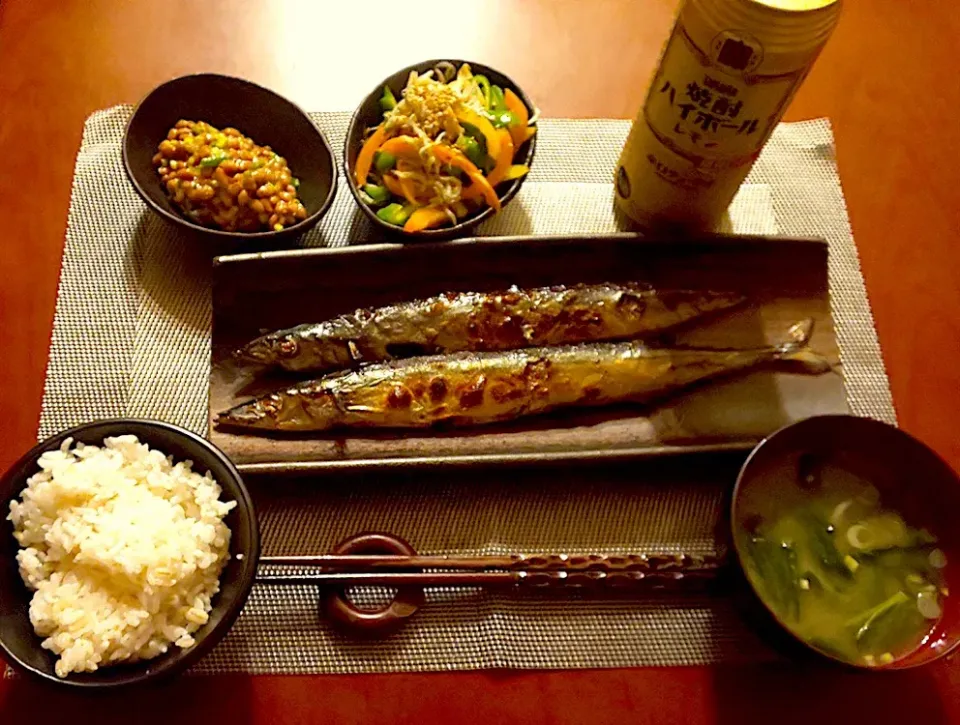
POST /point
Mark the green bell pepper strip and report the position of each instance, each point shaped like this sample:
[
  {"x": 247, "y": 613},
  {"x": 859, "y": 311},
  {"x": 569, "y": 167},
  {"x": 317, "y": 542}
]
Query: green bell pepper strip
[
  {"x": 472, "y": 149},
  {"x": 379, "y": 194},
  {"x": 484, "y": 84},
  {"x": 503, "y": 119},
  {"x": 384, "y": 161},
  {"x": 395, "y": 214},
  {"x": 387, "y": 101},
  {"x": 497, "y": 102}
]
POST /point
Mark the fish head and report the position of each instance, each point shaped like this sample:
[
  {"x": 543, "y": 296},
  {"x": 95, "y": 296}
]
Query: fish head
[
  {"x": 272, "y": 349},
  {"x": 289, "y": 410}
]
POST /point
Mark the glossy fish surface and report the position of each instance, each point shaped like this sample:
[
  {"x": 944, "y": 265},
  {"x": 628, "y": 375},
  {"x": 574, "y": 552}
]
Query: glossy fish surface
[
  {"x": 482, "y": 322},
  {"x": 477, "y": 388}
]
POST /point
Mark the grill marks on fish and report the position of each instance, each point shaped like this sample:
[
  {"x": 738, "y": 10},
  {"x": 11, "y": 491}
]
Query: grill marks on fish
[
  {"x": 478, "y": 388},
  {"x": 483, "y": 322}
]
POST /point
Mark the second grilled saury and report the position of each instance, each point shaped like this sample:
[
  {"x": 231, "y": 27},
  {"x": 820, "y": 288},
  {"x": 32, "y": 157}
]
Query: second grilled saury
[
  {"x": 480, "y": 388},
  {"x": 475, "y": 321}
]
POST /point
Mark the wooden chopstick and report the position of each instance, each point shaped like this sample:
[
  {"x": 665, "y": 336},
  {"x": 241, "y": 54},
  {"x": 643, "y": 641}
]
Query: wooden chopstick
[
  {"x": 538, "y": 571},
  {"x": 366, "y": 562},
  {"x": 511, "y": 562},
  {"x": 396, "y": 579}
]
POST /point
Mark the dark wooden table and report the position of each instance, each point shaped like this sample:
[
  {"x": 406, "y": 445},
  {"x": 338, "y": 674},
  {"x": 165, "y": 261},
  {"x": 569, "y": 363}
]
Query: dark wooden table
[{"x": 887, "y": 81}]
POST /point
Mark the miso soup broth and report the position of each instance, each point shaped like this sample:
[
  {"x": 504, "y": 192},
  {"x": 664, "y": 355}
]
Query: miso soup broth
[{"x": 841, "y": 570}]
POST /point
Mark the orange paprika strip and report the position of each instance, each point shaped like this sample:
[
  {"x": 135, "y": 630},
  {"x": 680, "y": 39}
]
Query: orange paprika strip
[
  {"x": 365, "y": 157},
  {"x": 403, "y": 147},
  {"x": 396, "y": 187},
  {"x": 408, "y": 192},
  {"x": 513, "y": 103},
  {"x": 465, "y": 115},
  {"x": 425, "y": 217},
  {"x": 393, "y": 184},
  {"x": 449, "y": 155},
  {"x": 499, "y": 172},
  {"x": 516, "y": 171}
]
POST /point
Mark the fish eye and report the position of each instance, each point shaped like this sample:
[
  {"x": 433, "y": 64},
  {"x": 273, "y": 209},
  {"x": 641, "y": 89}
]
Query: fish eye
[{"x": 288, "y": 347}]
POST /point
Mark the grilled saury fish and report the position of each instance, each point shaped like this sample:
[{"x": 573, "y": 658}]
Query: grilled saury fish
[
  {"x": 472, "y": 321},
  {"x": 479, "y": 388}
]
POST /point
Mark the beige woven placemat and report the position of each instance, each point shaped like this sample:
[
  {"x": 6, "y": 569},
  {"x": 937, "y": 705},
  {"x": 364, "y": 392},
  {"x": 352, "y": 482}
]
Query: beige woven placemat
[{"x": 131, "y": 337}]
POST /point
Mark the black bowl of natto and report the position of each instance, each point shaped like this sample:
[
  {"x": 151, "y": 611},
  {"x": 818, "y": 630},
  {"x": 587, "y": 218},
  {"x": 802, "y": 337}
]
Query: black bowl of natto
[
  {"x": 258, "y": 113},
  {"x": 369, "y": 114},
  {"x": 19, "y": 643}
]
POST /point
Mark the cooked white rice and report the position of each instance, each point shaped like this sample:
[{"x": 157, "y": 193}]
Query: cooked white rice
[{"x": 124, "y": 550}]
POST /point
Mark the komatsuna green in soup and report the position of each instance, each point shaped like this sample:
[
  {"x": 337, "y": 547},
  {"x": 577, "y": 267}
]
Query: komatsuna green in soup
[{"x": 845, "y": 574}]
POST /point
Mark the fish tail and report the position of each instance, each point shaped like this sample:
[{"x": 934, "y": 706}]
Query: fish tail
[
  {"x": 796, "y": 348},
  {"x": 244, "y": 415}
]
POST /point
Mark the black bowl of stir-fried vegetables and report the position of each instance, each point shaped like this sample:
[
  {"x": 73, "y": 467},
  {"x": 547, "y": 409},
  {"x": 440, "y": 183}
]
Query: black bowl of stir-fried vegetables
[{"x": 439, "y": 147}]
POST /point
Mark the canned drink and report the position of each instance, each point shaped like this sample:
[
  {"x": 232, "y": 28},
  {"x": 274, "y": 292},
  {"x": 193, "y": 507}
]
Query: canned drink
[{"x": 726, "y": 76}]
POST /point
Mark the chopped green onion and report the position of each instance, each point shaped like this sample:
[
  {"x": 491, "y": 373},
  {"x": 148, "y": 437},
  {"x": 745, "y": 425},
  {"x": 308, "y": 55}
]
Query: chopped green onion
[
  {"x": 937, "y": 559},
  {"x": 928, "y": 605},
  {"x": 296, "y": 182},
  {"x": 216, "y": 157}
]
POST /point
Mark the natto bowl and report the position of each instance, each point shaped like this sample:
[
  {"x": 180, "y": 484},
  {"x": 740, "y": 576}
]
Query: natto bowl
[
  {"x": 18, "y": 642},
  {"x": 260, "y": 114},
  {"x": 910, "y": 478},
  {"x": 369, "y": 115}
]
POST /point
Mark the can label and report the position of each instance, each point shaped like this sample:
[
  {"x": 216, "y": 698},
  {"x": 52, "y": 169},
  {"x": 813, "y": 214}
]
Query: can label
[
  {"x": 706, "y": 106},
  {"x": 716, "y": 98}
]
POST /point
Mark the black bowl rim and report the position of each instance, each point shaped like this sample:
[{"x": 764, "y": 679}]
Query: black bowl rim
[
  {"x": 248, "y": 572},
  {"x": 298, "y": 228},
  {"x": 466, "y": 224},
  {"x": 814, "y": 420}
]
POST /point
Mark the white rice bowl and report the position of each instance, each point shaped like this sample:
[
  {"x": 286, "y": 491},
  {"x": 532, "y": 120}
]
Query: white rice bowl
[{"x": 123, "y": 549}]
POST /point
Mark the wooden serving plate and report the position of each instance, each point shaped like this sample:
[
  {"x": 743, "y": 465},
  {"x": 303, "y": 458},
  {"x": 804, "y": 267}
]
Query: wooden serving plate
[{"x": 785, "y": 280}]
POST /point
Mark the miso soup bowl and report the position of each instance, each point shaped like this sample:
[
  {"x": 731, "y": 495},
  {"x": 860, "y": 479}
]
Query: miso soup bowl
[{"x": 911, "y": 479}]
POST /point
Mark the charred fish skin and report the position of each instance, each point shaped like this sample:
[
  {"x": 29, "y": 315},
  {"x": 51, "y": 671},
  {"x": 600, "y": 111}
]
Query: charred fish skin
[
  {"x": 475, "y": 321},
  {"x": 480, "y": 388}
]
